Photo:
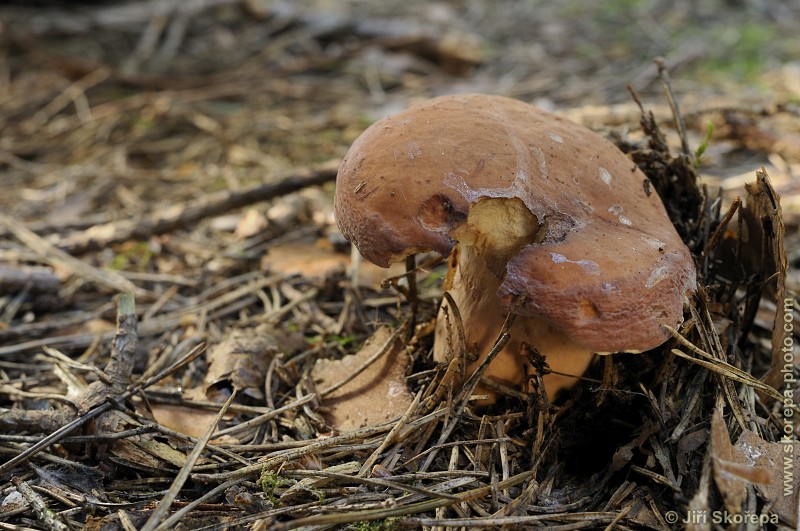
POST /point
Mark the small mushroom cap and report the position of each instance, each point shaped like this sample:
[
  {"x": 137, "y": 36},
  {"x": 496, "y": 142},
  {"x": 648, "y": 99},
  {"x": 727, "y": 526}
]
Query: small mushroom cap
[{"x": 609, "y": 268}]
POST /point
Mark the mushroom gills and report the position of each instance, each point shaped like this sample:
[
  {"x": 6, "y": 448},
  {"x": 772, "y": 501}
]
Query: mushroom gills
[{"x": 495, "y": 230}]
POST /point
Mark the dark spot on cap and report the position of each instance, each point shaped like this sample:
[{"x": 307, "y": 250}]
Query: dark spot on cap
[{"x": 438, "y": 211}]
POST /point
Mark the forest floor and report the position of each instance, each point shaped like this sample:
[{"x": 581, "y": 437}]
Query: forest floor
[{"x": 172, "y": 280}]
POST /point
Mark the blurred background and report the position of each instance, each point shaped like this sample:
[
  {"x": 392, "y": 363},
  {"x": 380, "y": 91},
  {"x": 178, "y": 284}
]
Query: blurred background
[{"x": 110, "y": 110}]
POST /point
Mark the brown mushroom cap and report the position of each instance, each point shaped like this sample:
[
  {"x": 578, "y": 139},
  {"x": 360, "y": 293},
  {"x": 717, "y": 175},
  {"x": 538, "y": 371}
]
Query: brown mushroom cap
[{"x": 608, "y": 267}]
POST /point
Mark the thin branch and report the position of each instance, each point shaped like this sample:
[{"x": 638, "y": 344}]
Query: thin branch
[
  {"x": 673, "y": 104},
  {"x": 56, "y": 256},
  {"x": 61, "y": 433},
  {"x": 153, "y": 224}
]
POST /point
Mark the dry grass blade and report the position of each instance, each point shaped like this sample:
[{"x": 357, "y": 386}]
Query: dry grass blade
[
  {"x": 414, "y": 508},
  {"x": 729, "y": 371},
  {"x": 393, "y": 485},
  {"x": 710, "y": 339},
  {"x": 469, "y": 386},
  {"x": 462, "y": 398},
  {"x": 97, "y": 398},
  {"x": 303, "y": 400},
  {"x": 183, "y": 476},
  {"x": 48, "y": 517},
  {"x": 95, "y": 412},
  {"x": 462, "y": 338},
  {"x": 583, "y": 519},
  {"x": 273, "y": 461},
  {"x": 69, "y": 362},
  {"x": 722, "y": 367},
  {"x": 75, "y": 93},
  {"x": 722, "y": 227},
  {"x": 443, "y": 384},
  {"x": 390, "y": 437},
  {"x": 663, "y": 73},
  {"x": 176, "y": 517}
]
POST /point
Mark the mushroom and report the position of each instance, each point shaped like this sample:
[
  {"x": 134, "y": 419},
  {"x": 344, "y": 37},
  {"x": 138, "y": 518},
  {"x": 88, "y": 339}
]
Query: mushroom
[{"x": 539, "y": 216}]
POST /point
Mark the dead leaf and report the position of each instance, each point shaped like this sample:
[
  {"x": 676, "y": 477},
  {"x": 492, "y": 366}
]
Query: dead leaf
[
  {"x": 768, "y": 132},
  {"x": 641, "y": 514},
  {"x": 310, "y": 259},
  {"x": 374, "y": 396},
  {"x": 319, "y": 259},
  {"x": 781, "y": 460},
  {"x": 748, "y": 473},
  {"x": 622, "y": 457},
  {"x": 732, "y": 487},
  {"x": 242, "y": 359},
  {"x": 733, "y": 469},
  {"x": 250, "y": 224},
  {"x": 163, "y": 451},
  {"x": 686, "y": 445},
  {"x": 763, "y": 229},
  {"x": 187, "y": 420},
  {"x": 98, "y": 326}
]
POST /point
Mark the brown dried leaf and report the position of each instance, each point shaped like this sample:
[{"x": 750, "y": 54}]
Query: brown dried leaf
[
  {"x": 187, "y": 420},
  {"x": 780, "y": 460},
  {"x": 319, "y": 259},
  {"x": 310, "y": 259},
  {"x": 242, "y": 359},
  {"x": 752, "y": 461},
  {"x": 732, "y": 487},
  {"x": 686, "y": 445},
  {"x": 250, "y": 224},
  {"x": 191, "y": 421},
  {"x": 622, "y": 457},
  {"x": 763, "y": 233},
  {"x": 771, "y": 132},
  {"x": 376, "y": 395},
  {"x": 129, "y": 451},
  {"x": 747, "y": 473},
  {"x": 163, "y": 451}
]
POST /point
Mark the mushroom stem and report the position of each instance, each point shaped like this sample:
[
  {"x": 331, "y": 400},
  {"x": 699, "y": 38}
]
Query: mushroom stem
[{"x": 494, "y": 232}]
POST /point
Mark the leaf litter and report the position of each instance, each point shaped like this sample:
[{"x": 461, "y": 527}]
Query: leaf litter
[{"x": 126, "y": 188}]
